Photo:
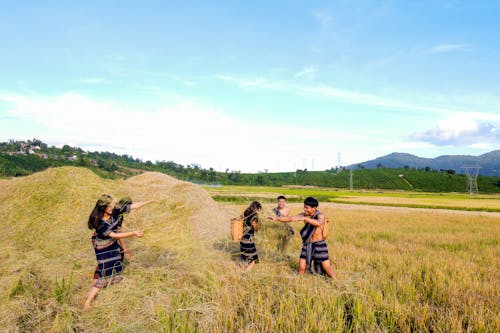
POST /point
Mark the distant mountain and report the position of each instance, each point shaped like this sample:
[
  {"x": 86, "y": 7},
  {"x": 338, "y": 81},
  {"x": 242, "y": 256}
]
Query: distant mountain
[{"x": 489, "y": 162}]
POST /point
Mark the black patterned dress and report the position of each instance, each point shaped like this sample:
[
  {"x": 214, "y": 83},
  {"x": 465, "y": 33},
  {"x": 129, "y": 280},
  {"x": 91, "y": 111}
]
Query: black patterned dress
[
  {"x": 109, "y": 259},
  {"x": 247, "y": 244}
]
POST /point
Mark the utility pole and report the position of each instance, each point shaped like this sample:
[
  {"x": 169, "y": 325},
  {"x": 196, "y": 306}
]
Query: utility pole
[{"x": 350, "y": 180}]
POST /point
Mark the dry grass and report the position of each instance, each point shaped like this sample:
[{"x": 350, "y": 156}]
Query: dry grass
[{"x": 401, "y": 269}]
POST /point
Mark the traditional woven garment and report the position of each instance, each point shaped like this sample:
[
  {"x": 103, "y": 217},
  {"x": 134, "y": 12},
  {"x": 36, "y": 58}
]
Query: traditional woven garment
[
  {"x": 108, "y": 255},
  {"x": 307, "y": 231},
  {"x": 317, "y": 251},
  {"x": 313, "y": 251},
  {"x": 247, "y": 243}
]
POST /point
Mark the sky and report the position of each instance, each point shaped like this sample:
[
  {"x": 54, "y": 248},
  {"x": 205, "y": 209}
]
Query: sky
[{"x": 255, "y": 86}]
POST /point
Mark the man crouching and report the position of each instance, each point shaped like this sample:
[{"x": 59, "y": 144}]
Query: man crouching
[{"x": 313, "y": 245}]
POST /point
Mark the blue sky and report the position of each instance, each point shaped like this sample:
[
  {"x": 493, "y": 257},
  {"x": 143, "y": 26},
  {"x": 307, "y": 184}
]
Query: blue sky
[{"x": 253, "y": 85}]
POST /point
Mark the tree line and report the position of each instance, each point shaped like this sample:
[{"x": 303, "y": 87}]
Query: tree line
[{"x": 21, "y": 158}]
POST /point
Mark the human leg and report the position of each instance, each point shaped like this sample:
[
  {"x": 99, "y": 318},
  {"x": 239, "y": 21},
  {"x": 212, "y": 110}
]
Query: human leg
[
  {"x": 307, "y": 254},
  {"x": 302, "y": 266},
  {"x": 321, "y": 259},
  {"x": 90, "y": 297},
  {"x": 250, "y": 265},
  {"x": 327, "y": 268}
]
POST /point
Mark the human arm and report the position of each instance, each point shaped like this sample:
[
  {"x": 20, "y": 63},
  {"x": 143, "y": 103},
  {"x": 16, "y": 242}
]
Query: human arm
[
  {"x": 255, "y": 225},
  {"x": 120, "y": 235},
  {"x": 286, "y": 219},
  {"x": 126, "y": 251},
  {"x": 317, "y": 223},
  {"x": 139, "y": 204}
]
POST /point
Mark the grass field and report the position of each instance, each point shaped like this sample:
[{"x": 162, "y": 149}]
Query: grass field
[
  {"x": 457, "y": 201},
  {"x": 401, "y": 269}
]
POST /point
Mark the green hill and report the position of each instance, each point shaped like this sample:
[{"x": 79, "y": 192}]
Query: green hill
[
  {"x": 23, "y": 158},
  {"x": 489, "y": 162}
]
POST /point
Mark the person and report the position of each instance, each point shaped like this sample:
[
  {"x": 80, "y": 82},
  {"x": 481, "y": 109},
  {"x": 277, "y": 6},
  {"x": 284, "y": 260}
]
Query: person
[
  {"x": 281, "y": 210},
  {"x": 250, "y": 226},
  {"x": 106, "y": 246},
  {"x": 313, "y": 245}
]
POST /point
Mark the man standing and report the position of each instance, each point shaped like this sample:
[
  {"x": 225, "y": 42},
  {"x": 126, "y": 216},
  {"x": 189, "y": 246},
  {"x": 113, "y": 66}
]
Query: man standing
[
  {"x": 281, "y": 210},
  {"x": 313, "y": 245}
]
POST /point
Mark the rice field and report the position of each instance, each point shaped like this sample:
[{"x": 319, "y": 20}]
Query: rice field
[
  {"x": 456, "y": 201},
  {"x": 400, "y": 269}
]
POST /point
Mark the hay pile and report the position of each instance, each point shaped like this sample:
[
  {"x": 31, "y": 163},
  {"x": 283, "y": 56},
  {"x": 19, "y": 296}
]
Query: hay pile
[
  {"x": 46, "y": 259},
  {"x": 208, "y": 220}
]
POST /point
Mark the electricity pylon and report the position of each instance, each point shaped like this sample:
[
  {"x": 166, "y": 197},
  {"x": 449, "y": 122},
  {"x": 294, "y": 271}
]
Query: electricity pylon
[{"x": 471, "y": 172}]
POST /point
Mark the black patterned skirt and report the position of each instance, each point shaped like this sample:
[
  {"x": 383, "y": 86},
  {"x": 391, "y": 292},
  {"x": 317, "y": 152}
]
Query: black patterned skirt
[
  {"x": 109, "y": 262},
  {"x": 247, "y": 248}
]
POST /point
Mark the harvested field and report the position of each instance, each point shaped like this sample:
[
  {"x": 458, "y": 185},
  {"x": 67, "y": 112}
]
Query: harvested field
[{"x": 401, "y": 269}]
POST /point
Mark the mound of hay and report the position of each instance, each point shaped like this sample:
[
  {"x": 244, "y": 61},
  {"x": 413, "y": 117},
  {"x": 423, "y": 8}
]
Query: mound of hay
[
  {"x": 208, "y": 219},
  {"x": 45, "y": 236}
]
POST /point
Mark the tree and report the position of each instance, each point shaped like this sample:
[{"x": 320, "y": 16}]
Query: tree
[{"x": 66, "y": 149}]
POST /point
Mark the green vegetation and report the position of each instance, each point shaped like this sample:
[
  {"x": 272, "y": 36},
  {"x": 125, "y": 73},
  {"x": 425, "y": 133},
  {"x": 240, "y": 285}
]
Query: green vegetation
[
  {"x": 19, "y": 158},
  {"x": 400, "y": 270},
  {"x": 455, "y": 201}
]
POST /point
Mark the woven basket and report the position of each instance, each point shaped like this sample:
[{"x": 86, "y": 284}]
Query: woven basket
[{"x": 237, "y": 228}]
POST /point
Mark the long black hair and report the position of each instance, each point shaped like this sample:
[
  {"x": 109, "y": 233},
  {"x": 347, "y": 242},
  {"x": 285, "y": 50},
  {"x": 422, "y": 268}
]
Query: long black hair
[
  {"x": 252, "y": 209},
  {"x": 95, "y": 218}
]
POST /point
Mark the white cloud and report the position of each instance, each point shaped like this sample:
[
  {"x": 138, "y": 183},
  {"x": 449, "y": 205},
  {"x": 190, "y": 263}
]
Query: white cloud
[
  {"x": 186, "y": 133},
  {"x": 449, "y": 48},
  {"x": 333, "y": 93},
  {"x": 308, "y": 71},
  {"x": 464, "y": 129}
]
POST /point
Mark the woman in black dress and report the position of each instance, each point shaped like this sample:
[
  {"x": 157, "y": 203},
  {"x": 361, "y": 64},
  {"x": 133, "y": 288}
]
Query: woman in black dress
[{"x": 250, "y": 226}]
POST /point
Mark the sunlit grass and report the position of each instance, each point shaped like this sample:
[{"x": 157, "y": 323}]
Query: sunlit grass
[{"x": 400, "y": 269}]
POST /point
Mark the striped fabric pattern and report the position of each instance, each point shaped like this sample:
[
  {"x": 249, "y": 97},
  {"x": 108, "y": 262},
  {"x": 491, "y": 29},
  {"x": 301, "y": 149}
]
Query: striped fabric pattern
[
  {"x": 108, "y": 255},
  {"x": 319, "y": 251},
  {"x": 247, "y": 244}
]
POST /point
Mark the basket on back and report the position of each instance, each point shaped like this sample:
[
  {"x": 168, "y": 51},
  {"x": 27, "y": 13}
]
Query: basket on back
[{"x": 237, "y": 228}]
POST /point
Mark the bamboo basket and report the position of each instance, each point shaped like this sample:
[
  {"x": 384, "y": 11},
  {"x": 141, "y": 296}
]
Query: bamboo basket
[{"x": 237, "y": 228}]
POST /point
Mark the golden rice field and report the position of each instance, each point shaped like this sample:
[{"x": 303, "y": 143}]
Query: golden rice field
[
  {"x": 456, "y": 201},
  {"x": 401, "y": 269}
]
